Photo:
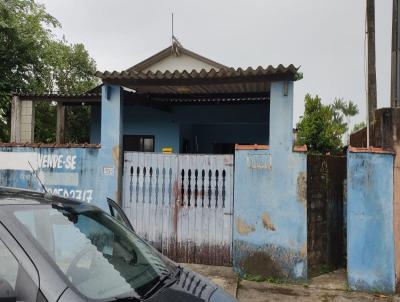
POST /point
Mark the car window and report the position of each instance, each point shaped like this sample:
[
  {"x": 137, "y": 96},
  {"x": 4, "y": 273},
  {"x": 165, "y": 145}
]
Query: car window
[
  {"x": 101, "y": 258},
  {"x": 118, "y": 213},
  {"x": 8, "y": 266},
  {"x": 14, "y": 279}
]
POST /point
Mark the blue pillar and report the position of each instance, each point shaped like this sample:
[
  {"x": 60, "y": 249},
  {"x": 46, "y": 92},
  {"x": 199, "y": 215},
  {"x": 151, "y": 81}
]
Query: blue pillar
[
  {"x": 370, "y": 236},
  {"x": 110, "y": 158},
  {"x": 281, "y": 116},
  {"x": 270, "y": 214}
]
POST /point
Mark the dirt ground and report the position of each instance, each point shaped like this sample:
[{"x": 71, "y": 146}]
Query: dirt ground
[{"x": 326, "y": 288}]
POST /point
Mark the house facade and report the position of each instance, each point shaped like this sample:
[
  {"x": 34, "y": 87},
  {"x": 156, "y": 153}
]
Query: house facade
[
  {"x": 199, "y": 155},
  {"x": 183, "y": 102},
  {"x": 201, "y": 158}
]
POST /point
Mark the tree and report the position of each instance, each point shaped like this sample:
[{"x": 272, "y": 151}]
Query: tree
[
  {"x": 33, "y": 61},
  {"x": 70, "y": 70},
  {"x": 348, "y": 110},
  {"x": 358, "y": 126},
  {"x": 322, "y": 127}
]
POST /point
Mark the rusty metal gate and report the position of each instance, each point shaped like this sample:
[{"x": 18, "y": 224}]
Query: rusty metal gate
[{"x": 182, "y": 204}]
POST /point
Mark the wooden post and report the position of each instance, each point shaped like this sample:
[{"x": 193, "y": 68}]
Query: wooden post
[
  {"x": 15, "y": 120},
  {"x": 395, "y": 80},
  {"x": 60, "y": 131},
  {"x": 372, "y": 98}
]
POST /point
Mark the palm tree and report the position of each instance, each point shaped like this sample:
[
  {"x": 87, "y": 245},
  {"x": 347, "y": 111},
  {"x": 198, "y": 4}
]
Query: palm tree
[{"x": 348, "y": 109}]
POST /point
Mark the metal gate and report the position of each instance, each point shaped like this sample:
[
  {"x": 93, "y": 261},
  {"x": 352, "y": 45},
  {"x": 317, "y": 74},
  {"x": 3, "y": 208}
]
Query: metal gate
[{"x": 182, "y": 204}]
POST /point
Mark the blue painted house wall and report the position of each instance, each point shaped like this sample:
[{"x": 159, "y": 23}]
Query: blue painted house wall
[
  {"x": 370, "y": 238},
  {"x": 202, "y": 125},
  {"x": 139, "y": 120},
  {"x": 270, "y": 214}
]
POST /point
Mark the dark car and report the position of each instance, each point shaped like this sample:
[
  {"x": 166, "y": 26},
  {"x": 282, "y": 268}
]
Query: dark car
[{"x": 55, "y": 249}]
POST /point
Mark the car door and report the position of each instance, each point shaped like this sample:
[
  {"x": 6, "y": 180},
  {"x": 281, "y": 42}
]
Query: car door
[{"x": 118, "y": 213}]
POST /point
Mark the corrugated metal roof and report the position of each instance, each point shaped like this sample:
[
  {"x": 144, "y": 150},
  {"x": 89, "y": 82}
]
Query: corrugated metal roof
[
  {"x": 59, "y": 95},
  {"x": 221, "y": 81},
  {"x": 66, "y": 98},
  {"x": 54, "y": 145},
  {"x": 280, "y": 71}
]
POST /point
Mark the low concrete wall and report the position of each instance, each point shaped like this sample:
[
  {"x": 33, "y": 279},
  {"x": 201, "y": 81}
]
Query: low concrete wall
[
  {"x": 370, "y": 234},
  {"x": 70, "y": 172},
  {"x": 270, "y": 214}
]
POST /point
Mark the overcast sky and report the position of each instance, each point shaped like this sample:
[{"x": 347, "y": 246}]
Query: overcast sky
[{"x": 325, "y": 37}]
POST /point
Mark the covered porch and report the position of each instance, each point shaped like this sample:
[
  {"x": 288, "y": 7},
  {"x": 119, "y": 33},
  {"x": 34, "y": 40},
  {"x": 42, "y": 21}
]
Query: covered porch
[{"x": 205, "y": 112}]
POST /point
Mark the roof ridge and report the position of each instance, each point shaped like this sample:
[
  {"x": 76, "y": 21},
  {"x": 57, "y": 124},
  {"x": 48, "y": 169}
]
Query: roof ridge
[{"x": 167, "y": 52}]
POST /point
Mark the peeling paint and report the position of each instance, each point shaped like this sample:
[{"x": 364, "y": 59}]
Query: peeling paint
[
  {"x": 267, "y": 222},
  {"x": 269, "y": 260},
  {"x": 68, "y": 172},
  {"x": 302, "y": 188},
  {"x": 303, "y": 250},
  {"x": 269, "y": 200},
  {"x": 116, "y": 155},
  {"x": 243, "y": 228},
  {"x": 261, "y": 264}
]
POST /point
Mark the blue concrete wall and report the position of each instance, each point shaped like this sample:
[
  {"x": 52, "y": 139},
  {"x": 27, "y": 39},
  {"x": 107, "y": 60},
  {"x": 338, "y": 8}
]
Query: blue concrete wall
[
  {"x": 270, "y": 214},
  {"x": 370, "y": 239},
  {"x": 88, "y": 174},
  {"x": 139, "y": 120},
  {"x": 68, "y": 172},
  {"x": 208, "y": 134},
  {"x": 207, "y": 124},
  {"x": 270, "y": 209}
]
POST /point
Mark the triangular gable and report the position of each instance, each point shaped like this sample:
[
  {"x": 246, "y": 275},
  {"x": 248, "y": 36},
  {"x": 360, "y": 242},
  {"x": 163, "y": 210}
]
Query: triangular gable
[{"x": 173, "y": 58}]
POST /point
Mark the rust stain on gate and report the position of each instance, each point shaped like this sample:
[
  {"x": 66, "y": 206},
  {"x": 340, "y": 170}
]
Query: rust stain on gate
[{"x": 196, "y": 224}]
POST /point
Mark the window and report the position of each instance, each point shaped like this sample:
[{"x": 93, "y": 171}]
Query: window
[
  {"x": 8, "y": 266},
  {"x": 100, "y": 257},
  {"x": 139, "y": 143},
  {"x": 14, "y": 280}
]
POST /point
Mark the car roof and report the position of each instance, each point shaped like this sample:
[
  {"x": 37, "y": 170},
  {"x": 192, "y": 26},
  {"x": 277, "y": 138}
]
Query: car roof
[{"x": 15, "y": 196}]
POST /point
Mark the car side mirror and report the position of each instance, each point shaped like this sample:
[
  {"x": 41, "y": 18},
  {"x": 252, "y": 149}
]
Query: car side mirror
[{"x": 7, "y": 293}]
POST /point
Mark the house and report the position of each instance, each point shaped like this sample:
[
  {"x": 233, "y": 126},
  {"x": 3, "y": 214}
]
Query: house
[
  {"x": 230, "y": 188},
  {"x": 180, "y": 101},
  {"x": 199, "y": 155}
]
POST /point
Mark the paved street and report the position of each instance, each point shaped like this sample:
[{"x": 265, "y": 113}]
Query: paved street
[{"x": 328, "y": 287}]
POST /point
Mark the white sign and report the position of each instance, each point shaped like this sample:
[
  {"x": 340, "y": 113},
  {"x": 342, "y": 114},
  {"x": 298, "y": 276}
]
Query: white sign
[
  {"x": 108, "y": 170},
  {"x": 259, "y": 161}
]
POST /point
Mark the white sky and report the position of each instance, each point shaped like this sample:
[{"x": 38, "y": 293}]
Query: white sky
[{"x": 325, "y": 37}]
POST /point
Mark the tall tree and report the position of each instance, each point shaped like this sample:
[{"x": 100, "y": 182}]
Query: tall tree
[
  {"x": 33, "y": 61},
  {"x": 24, "y": 36}
]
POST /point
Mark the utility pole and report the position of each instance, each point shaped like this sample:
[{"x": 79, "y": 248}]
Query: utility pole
[
  {"x": 395, "y": 84},
  {"x": 372, "y": 98}
]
